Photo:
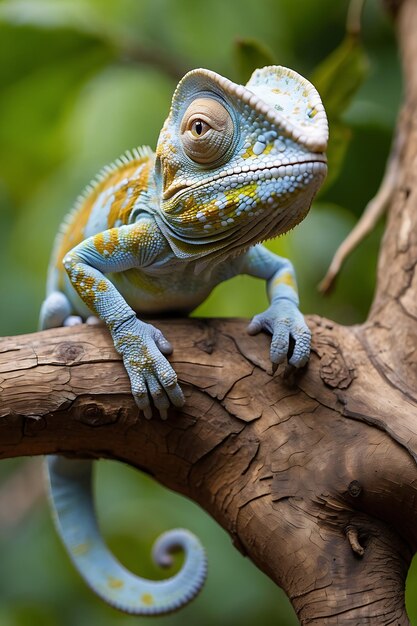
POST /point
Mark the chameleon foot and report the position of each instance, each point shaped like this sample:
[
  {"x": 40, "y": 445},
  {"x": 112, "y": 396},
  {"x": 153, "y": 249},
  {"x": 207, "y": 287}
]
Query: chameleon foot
[
  {"x": 285, "y": 322},
  {"x": 72, "y": 320}
]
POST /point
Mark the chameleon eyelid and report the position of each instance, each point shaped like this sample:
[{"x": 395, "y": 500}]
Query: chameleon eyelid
[
  {"x": 200, "y": 118},
  {"x": 215, "y": 142},
  {"x": 210, "y": 110}
]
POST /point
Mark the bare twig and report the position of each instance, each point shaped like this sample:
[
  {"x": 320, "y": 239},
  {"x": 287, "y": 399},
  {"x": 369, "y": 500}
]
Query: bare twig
[
  {"x": 369, "y": 218},
  {"x": 354, "y": 17},
  {"x": 170, "y": 65}
]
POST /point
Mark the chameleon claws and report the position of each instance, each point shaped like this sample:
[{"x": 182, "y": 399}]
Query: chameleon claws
[
  {"x": 163, "y": 414},
  {"x": 255, "y": 326},
  {"x": 290, "y": 335},
  {"x": 176, "y": 395},
  {"x": 147, "y": 413},
  {"x": 161, "y": 341},
  {"x": 160, "y": 395}
]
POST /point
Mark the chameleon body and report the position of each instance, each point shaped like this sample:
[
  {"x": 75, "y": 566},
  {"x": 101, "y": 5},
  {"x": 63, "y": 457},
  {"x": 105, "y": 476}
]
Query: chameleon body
[{"x": 156, "y": 232}]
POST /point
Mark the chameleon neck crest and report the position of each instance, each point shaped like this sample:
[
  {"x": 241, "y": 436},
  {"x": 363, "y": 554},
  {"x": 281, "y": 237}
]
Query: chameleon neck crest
[{"x": 238, "y": 164}]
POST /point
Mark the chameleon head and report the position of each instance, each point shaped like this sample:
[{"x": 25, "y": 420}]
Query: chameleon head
[{"x": 240, "y": 162}]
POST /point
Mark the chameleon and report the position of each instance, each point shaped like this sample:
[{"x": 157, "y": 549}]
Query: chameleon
[{"x": 154, "y": 233}]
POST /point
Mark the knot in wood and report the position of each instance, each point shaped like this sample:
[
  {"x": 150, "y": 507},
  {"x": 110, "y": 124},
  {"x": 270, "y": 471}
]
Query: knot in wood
[
  {"x": 355, "y": 489},
  {"x": 335, "y": 370},
  {"x": 208, "y": 343},
  {"x": 90, "y": 415},
  {"x": 95, "y": 414},
  {"x": 68, "y": 352}
]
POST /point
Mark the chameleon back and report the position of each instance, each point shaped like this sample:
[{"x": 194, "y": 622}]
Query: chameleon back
[{"x": 108, "y": 201}]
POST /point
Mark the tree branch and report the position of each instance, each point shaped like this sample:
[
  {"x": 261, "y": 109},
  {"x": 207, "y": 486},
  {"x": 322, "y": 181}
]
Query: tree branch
[{"x": 292, "y": 466}]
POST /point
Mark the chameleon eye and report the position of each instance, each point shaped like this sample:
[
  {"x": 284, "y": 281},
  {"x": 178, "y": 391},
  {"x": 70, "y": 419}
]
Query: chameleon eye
[
  {"x": 199, "y": 128},
  {"x": 206, "y": 131}
]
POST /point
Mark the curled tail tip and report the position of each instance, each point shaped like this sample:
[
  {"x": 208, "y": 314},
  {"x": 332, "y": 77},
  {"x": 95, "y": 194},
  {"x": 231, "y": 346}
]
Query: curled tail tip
[
  {"x": 194, "y": 569},
  {"x": 153, "y": 598},
  {"x": 172, "y": 541},
  {"x": 72, "y": 501}
]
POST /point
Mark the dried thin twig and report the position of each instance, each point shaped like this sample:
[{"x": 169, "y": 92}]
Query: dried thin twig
[{"x": 369, "y": 218}]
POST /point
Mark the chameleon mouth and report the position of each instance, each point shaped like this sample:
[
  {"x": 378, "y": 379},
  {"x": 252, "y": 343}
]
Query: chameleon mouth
[
  {"x": 313, "y": 164},
  {"x": 279, "y": 170}
]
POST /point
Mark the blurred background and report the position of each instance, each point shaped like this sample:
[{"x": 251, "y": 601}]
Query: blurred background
[{"x": 81, "y": 81}]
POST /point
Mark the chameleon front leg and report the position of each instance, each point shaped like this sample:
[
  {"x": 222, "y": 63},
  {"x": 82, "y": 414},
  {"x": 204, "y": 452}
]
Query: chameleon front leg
[
  {"x": 141, "y": 345},
  {"x": 282, "y": 318}
]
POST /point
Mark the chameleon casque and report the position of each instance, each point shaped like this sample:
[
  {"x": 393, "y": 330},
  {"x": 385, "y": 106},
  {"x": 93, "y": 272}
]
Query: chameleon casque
[{"x": 155, "y": 233}]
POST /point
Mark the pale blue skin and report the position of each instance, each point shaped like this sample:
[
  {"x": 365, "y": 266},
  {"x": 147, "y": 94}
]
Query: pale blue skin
[
  {"x": 72, "y": 502},
  {"x": 184, "y": 276}
]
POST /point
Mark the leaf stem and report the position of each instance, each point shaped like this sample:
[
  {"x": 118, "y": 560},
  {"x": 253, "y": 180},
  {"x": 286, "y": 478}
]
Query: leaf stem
[{"x": 354, "y": 17}]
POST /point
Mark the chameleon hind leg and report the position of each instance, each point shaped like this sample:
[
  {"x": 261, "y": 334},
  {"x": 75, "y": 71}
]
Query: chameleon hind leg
[
  {"x": 55, "y": 310},
  {"x": 72, "y": 502}
]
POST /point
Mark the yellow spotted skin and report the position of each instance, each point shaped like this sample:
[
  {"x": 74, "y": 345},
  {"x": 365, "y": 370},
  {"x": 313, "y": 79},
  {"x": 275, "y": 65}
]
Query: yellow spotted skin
[
  {"x": 107, "y": 203},
  {"x": 115, "y": 583},
  {"x": 82, "y": 548},
  {"x": 286, "y": 278},
  {"x": 147, "y": 599},
  {"x": 154, "y": 234}
]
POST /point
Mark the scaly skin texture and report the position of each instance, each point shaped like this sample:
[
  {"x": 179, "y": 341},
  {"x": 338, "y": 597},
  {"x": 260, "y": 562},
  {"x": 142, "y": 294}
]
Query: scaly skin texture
[{"x": 156, "y": 233}]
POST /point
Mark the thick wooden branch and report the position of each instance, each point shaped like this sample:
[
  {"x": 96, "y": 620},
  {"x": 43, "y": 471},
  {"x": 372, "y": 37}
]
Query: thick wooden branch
[
  {"x": 392, "y": 329},
  {"x": 305, "y": 470}
]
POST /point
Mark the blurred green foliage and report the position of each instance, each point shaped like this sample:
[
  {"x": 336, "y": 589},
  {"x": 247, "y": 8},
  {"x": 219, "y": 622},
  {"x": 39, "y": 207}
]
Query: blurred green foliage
[{"x": 80, "y": 82}]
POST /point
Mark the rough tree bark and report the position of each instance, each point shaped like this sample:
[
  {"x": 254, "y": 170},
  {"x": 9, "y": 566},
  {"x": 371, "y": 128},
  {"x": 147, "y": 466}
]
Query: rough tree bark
[{"x": 314, "y": 476}]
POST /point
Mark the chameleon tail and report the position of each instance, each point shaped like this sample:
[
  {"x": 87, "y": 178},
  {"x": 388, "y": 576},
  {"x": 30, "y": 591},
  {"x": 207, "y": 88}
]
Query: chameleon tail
[{"x": 72, "y": 501}]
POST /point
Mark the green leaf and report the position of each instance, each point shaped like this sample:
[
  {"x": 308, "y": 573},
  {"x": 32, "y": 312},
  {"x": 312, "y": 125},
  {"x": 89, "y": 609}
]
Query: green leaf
[
  {"x": 340, "y": 136},
  {"x": 337, "y": 79},
  {"x": 249, "y": 55},
  {"x": 41, "y": 76},
  {"x": 340, "y": 75},
  {"x": 50, "y": 14}
]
